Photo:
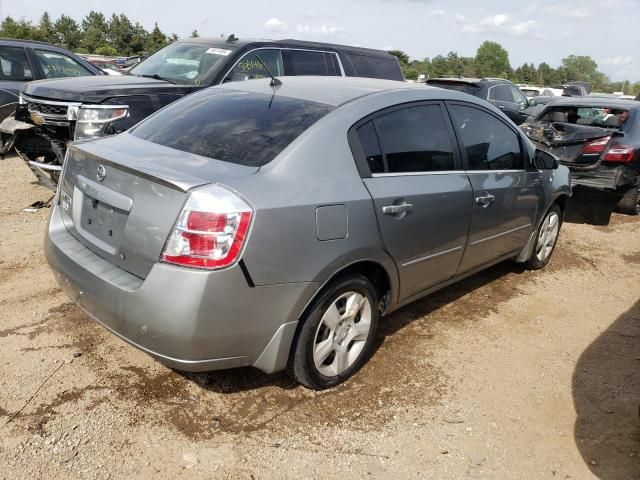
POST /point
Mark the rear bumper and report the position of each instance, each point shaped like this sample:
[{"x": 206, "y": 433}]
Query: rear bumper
[
  {"x": 188, "y": 319},
  {"x": 604, "y": 177}
]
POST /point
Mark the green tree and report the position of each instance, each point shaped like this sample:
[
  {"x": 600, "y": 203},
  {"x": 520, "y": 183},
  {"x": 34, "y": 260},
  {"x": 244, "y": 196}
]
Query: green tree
[
  {"x": 195, "y": 34},
  {"x": 121, "y": 34},
  {"x": 138, "y": 39},
  {"x": 67, "y": 32},
  {"x": 492, "y": 60},
  {"x": 402, "y": 57},
  {"x": 94, "y": 31},
  {"x": 21, "y": 29},
  {"x": 106, "y": 50},
  {"x": 156, "y": 39},
  {"x": 46, "y": 30}
]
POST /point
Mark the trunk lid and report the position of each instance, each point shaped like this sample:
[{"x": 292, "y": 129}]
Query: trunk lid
[
  {"x": 121, "y": 196},
  {"x": 566, "y": 141}
]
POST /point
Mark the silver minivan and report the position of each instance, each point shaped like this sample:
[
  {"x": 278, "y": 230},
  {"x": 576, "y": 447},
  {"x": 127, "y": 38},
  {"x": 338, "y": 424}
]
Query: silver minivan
[{"x": 272, "y": 223}]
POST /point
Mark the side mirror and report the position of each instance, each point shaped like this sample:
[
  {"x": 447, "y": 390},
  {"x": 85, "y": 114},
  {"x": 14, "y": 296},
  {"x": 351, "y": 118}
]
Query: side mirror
[
  {"x": 532, "y": 102},
  {"x": 545, "y": 161}
]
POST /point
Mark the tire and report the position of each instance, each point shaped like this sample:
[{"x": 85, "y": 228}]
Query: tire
[
  {"x": 630, "y": 201},
  {"x": 546, "y": 239},
  {"x": 337, "y": 334}
]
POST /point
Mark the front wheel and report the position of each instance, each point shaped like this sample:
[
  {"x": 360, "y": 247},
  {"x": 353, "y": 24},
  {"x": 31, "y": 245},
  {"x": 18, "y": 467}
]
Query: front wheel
[
  {"x": 546, "y": 238},
  {"x": 337, "y": 334}
]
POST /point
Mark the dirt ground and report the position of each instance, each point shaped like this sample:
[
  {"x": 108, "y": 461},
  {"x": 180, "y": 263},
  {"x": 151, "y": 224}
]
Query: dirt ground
[{"x": 509, "y": 374}]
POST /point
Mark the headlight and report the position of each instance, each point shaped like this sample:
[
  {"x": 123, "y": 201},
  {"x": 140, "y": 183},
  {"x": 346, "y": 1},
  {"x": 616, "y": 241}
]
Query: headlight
[{"x": 92, "y": 120}]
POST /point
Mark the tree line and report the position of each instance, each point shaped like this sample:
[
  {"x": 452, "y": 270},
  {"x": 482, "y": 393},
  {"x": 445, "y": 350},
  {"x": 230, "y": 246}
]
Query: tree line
[
  {"x": 118, "y": 35},
  {"x": 492, "y": 60},
  {"x": 95, "y": 33}
]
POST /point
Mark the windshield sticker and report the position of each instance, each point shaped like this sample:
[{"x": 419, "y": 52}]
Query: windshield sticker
[{"x": 218, "y": 51}]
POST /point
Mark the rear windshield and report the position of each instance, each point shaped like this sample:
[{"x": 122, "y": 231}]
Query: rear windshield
[
  {"x": 605, "y": 117},
  {"x": 457, "y": 86},
  {"x": 234, "y": 126}
]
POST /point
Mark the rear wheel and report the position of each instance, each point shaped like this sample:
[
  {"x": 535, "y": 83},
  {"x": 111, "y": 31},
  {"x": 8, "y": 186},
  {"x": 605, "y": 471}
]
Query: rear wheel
[
  {"x": 630, "y": 202},
  {"x": 546, "y": 238},
  {"x": 337, "y": 334}
]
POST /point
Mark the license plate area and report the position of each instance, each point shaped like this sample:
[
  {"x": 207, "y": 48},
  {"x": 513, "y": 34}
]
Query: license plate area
[{"x": 100, "y": 214}]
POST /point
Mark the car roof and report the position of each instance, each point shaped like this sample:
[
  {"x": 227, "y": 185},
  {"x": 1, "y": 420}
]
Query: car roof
[
  {"x": 15, "y": 41},
  {"x": 470, "y": 80},
  {"x": 595, "y": 102},
  {"x": 337, "y": 91},
  {"x": 239, "y": 43}
]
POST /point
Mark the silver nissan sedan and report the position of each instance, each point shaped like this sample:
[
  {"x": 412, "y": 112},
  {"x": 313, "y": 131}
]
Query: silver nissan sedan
[{"x": 273, "y": 222}]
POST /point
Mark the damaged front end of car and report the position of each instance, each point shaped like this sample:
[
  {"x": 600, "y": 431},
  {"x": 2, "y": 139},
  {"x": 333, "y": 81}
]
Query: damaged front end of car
[{"x": 41, "y": 129}]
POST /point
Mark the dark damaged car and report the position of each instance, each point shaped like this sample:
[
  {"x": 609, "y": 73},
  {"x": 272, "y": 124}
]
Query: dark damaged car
[
  {"x": 598, "y": 139},
  {"x": 53, "y": 112}
]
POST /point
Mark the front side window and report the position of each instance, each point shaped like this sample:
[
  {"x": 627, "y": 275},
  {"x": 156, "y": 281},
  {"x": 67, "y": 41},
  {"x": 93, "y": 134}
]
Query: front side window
[
  {"x": 59, "y": 65},
  {"x": 488, "y": 143},
  {"x": 303, "y": 62},
  {"x": 518, "y": 96},
  {"x": 412, "y": 139},
  {"x": 501, "y": 93},
  {"x": 250, "y": 66},
  {"x": 244, "y": 128},
  {"x": 14, "y": 64},
  {"x": 185, "y": 63}
]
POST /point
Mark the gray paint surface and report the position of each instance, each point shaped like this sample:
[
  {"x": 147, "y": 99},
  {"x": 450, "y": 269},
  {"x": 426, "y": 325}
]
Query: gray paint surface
[{"x": 197, "y": 320}]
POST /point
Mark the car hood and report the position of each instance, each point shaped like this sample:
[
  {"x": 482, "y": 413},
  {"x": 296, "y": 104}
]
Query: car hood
[{"x": 95, "y": 89}]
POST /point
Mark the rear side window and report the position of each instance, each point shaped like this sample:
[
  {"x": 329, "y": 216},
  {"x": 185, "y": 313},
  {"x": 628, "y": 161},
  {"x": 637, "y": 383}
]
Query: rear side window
[
  {"x": 303, "y": 62},
  {"x": 245, "y": 128},
  {"x": 371, "y": 147},
  {"x": 412, "y": 139},
  {"x": 376, "y": 67},
  {"x": 14, "y": 64},
  {"x": 489, "y": 143}
]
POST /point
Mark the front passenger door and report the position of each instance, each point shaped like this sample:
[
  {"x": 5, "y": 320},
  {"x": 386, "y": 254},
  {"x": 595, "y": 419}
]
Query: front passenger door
[{"x": 505, "y": 191}]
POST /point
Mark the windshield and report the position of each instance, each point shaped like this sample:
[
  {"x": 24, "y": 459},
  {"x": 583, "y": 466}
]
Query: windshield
[
  {"x": 234, "y": 126},
  {"x": 184, "y": 63}
]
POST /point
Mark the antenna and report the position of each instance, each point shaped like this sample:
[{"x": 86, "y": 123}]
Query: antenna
[{"x": 274, "y": 81}]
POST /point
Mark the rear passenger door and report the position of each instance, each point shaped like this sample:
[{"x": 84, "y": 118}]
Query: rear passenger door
[
  {"x": 422, "y": 200},
  {"x": 505, "y": 191}
]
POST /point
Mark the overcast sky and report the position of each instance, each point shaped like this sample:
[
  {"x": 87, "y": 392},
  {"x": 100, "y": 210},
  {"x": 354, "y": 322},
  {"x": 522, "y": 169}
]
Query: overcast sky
[{"x": 534, "y": 31}]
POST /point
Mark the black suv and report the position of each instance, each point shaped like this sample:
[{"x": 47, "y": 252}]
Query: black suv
[
  {"x": 53, "y": 112},
  {"x": 25, "y": 60},
  {"x": 501, "y": 93}
]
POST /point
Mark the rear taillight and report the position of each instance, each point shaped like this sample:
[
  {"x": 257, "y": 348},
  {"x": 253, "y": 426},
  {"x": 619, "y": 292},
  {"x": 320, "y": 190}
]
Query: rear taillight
[
  {"x": 620, "y": 154},
  {"x": 597, "y": 146},
  {"x": 210, "y": 231}
]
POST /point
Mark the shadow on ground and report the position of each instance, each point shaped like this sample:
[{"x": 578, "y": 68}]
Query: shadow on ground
[
  {"x": 606, "y": 395},
  {"x": 591, "y": 206}
]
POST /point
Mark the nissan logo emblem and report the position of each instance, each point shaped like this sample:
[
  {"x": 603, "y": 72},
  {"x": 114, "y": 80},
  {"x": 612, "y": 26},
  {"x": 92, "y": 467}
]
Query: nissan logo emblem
[{"x": 101, "y": 173}]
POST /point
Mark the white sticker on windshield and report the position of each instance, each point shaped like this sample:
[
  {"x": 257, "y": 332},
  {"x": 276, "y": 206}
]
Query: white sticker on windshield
[{"x": 218, "y": 51}]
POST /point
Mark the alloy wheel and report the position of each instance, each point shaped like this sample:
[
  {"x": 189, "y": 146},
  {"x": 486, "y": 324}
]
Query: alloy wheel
[
  {"x": 342, "y": 333},
  {"x": 547, "y": 236}
]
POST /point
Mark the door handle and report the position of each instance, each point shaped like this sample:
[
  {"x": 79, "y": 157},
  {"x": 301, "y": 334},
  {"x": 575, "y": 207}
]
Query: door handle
[
  {"x": 395, "y": 209},
  {"x": 485, "y": 199}
]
